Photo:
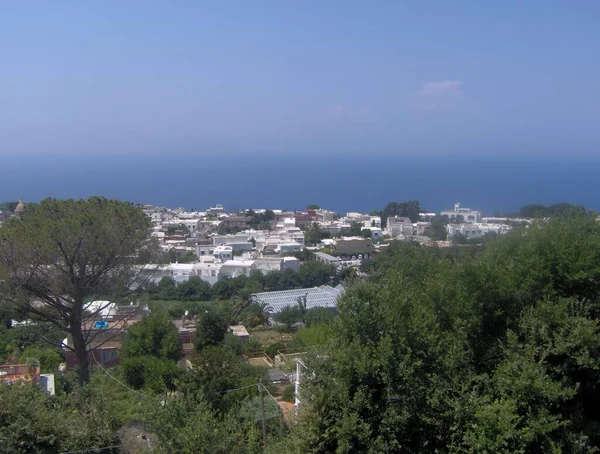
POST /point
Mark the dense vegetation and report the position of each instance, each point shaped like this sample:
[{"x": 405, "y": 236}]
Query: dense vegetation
[
  {"x": 492, "y": 348},
  {"x": 310, "y": 274}
]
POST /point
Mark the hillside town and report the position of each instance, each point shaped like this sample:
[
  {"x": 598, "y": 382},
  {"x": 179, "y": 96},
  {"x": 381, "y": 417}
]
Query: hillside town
[
  {"x": 260, "y": 287},
  {"x": 216, "y": 245}
]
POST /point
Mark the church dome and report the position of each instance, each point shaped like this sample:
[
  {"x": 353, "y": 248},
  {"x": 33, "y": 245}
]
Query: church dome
[{"x": 20, "y": 207}]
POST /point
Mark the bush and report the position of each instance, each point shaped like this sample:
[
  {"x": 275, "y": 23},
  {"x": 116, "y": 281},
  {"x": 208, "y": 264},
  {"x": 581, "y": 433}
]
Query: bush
[
  {"x": 150, "y": 372},
  {"x": 272, "y": 349},
  {"x": 289, "y": 393},
  {"x": 49, "y": 359}
]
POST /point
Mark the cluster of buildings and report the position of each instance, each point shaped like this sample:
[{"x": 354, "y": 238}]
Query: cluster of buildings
[{"x": 214, "y": 244}]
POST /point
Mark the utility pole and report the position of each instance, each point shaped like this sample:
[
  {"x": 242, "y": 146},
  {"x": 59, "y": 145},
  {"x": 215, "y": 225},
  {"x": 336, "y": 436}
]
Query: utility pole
[{"x": 262, "y": 412}]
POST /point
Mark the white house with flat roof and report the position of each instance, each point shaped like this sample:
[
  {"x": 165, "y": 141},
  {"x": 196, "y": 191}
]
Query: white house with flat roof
[
  {"x": 468, "y": 215},
  {"x": 235, "y": 268},
  {"x": 476, "y": 230}
]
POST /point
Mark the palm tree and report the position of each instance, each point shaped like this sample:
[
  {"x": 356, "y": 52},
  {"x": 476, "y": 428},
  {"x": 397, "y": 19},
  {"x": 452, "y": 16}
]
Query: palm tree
[{"x": 259, "y": 312}]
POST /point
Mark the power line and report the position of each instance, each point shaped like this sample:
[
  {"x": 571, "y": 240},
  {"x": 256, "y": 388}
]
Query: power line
[
  {"x": 271, "y": 395},
  {"x": 94, "y": 450},
  {"x": 120, "y": 382},
  {"x": 236, "y": 389}
]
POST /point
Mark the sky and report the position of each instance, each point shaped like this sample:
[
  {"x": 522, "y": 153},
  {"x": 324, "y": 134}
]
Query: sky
[{"x": 299, "y": 77}]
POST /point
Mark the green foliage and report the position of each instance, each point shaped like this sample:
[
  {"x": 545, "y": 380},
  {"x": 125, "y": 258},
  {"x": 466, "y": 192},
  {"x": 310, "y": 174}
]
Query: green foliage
[
  {"x": 304, "y": 256},
  {"x": 313, "y": 207},
  {"x": 49, "y": 359},
  {"x": 366, "y": 233},
  {"x": 262, "y": 221},
  {"x": 150, "y": 372},
  {"x": 409, "y": 209},
  {"x": 194, "y": 289},
  {"x": 65, "y": 253},
  {"x": 211, "y": 328},
  {"x": 289, "y": 393},
  {"x": 8, "y": 206},
  {"x": 558, "y": 209},
  {"x": 187, "y": 427},
  {"x": 355, "y": 229},
  {"x": 315, "y": 234},
  {"x": 493, "y": 350},
  {"x": 437, "y": 230},
  {"x": 288, "y": 316},
  {"x": 227, "y": 288},
  {"x": 314, "y": 274},
  {"x": 315, "y": 335},
  {"x": 33, "y": 422},
  {"x": 215, "y": 369},
  {"x": 318, "y": 316},
  {"x": 178, "y": 229},
  {"x": 154, "y": 335}
]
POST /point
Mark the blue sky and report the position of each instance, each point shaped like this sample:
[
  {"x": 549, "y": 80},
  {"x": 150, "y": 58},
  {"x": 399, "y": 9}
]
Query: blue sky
[{"x": 299, "y": 77}]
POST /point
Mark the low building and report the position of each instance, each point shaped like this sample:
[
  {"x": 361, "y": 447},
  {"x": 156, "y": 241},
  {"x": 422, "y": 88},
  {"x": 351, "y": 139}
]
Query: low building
[
  {"x": 15, "y": 373},
  {"x": 268, "y": 264},
  {"x": 476, "y": 230},
  {"x": 240, "y": 332},
  {"x": 354, "y": 245},
  {"x": 376, "y": 232},
  {"x": 286, "y": 248},
  {"x": 235, "y": 268},
  {"x": 398, "y": 225},
  {"x": 465, "y": 214},
  {"x": 325, "y": 296},
  {"x": 327, "y": 258}
]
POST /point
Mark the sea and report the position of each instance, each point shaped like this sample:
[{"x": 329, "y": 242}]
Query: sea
[{"x": 493, "y": 183}]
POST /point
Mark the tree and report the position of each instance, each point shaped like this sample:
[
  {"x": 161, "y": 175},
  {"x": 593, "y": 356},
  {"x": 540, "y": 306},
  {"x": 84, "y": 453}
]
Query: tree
[
  {"x": 437, "y": 230},
  {"x": 63, "y": 254},
  {"x": 258, "y": 312},
  {"x": 288, "y": 316},
  {"x": 313, "y": 207},
  {"x": 154, "y": 335},
  {"x": 314, "y": 274},
  {"x": 496, "y": 352},
  {"x": 194, "y": 289},
  {"x": 314, "y": 234},
  {"x": 355, "y": 229},
  {"x": 366, "y": 233},
  {"x": 409, "y": 209},
  {"x": 211, "y": 329}
]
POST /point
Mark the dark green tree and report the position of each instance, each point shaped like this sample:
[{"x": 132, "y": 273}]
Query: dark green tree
[
  {"x": 155, "y": 335},
  {"x": 288, "y": 316},
  {"x": 211, "y": 328},
  {"x": 63, "y": 253}
]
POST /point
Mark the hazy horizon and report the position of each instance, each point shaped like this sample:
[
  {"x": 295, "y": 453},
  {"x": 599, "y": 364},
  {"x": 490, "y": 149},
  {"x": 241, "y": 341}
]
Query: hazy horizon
[{"x": 312, "y": 77}]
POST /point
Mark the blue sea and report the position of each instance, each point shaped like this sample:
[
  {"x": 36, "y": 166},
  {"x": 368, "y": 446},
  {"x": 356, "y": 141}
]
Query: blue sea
[{"x": 340, "y": 182}]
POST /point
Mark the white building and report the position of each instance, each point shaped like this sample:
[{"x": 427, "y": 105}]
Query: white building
[
  {"x": 235, "y": 268},
  {"x": 285, "y": 248},
  {"x": 468, "y": 215},
  {"x": 223, "y": 253},
  {"x": 207, "y": 271},
  {"x": 376, "y": 232},
  {"x": 399, "y": 226},
  {"x": 268, "y": 264},
  {"x": 476, "y": 230}
]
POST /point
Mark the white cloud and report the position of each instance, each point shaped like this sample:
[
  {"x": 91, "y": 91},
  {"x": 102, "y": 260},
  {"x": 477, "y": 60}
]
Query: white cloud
[{"x": 445, "y": 88}]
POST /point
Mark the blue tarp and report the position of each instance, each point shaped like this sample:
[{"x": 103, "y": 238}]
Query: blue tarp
[{"x": 100, "y": 325}]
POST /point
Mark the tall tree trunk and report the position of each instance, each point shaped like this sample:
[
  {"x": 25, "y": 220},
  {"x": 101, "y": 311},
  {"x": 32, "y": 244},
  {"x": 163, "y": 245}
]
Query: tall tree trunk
[{"x": 83, "y": 363}]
